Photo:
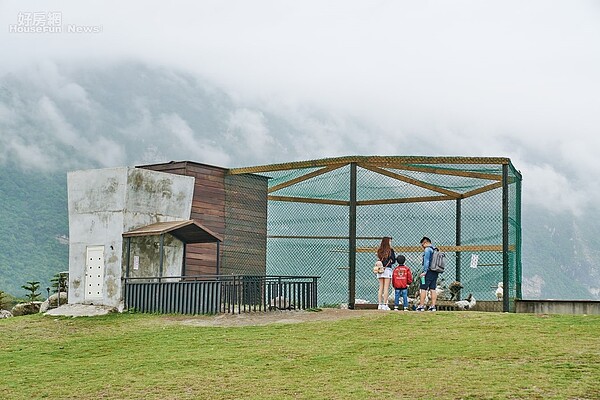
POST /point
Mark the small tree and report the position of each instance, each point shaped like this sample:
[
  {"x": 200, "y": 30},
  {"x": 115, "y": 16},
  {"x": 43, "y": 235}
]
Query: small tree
[
  {"x": 59, "y": 281},
  {"x": 3, "y": 303},
  {"x": 32, "y": 287}
]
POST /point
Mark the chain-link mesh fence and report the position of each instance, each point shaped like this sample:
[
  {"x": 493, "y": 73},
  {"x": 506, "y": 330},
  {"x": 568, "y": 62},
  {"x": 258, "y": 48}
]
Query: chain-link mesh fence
[{"x": 469, "y": 207}]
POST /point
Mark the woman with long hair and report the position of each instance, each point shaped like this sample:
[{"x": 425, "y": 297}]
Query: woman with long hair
[{"x": 386, "y": 255}]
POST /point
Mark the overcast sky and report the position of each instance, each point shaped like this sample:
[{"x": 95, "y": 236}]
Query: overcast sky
[{"x": 518, "y": 79}]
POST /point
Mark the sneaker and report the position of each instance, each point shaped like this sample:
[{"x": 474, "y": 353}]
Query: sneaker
[
  {"x": 385, "y": 307},
  {"x": 421, "y": 308},
  {"x": 395, "y": 308},
  {"x": 380, "y": 307},
  {"x": 405, "y": 308},
  {"x": 432, "y": 309}
]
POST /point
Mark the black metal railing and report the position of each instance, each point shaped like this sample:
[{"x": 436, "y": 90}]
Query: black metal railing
[{"x": 210, "y": 294}]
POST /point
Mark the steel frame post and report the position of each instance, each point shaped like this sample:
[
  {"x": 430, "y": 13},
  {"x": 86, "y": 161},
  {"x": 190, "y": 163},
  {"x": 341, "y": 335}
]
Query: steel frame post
[
  {"x": 505, "y": 257},
  {"x": 352, "y": 238},
  {"x": 458, "y": 240}
]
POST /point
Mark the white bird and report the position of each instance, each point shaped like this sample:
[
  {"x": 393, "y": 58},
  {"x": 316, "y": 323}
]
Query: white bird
[
  {"x": 500, "y": 291},
  {"x": 467, "y": 303}
]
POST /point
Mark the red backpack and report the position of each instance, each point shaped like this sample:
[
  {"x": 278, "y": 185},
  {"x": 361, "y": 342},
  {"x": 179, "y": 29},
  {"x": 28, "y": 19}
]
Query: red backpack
[{"x": 401, "y": 277}]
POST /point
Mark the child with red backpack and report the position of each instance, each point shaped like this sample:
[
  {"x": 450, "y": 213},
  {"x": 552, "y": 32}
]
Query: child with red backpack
[{"x": 401, "y": 278}]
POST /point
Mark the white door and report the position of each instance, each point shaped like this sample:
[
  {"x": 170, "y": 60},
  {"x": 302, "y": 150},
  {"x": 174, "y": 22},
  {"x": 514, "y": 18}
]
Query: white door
[{"x": 94, "y": 272}]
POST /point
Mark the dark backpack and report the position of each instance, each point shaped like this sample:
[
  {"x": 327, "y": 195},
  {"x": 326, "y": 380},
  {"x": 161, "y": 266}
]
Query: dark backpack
[{"x": 438, "y": 261}]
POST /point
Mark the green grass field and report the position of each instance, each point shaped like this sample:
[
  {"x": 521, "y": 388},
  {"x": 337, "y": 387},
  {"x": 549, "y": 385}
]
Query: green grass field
[{"x": 386, "y": 355}]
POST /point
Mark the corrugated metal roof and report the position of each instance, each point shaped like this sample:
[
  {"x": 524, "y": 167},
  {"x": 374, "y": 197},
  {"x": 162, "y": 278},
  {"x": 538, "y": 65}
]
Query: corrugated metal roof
[{"x": 188, "y": 231}]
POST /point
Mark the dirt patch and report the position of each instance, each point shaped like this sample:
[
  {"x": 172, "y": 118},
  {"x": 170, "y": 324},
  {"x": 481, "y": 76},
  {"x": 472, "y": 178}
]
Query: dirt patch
[
  {"x": 230, "y": 320},
  {"x": 273, "y": 317}
]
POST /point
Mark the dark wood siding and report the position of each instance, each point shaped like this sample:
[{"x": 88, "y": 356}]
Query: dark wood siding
[
  {"x": 245, "y": 224},
  {"x": 233, "y": 206}
]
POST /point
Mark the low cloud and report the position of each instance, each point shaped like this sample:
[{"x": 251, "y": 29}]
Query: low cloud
[
  {"x": 550, "y": 189},
  {"x": 30, "y": 156},
  {"x": 209, "y": 149},
  {"x": 247, "y": 131},
  {"x": 45, "y": 128}
]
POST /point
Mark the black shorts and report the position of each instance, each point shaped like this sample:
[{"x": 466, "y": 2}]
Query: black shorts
[{"x": 430, "y": 280}]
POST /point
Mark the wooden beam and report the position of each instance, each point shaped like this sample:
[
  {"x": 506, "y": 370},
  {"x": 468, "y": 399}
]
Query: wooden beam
[
  {"x": 445, "y": 171},
  {"x": 340, "y": 162},
  {"x": 405, "y": 200},
  {"x": 412, "y": 181},
  {"x": 376, "y": 160},
  {"x": 487, "y": 188},
  {"x": 358, "y": 203},
  {"x": 304, "y": 177},
  {"x": 322, "y": 237},
  {"x": 308, "y": 200},
  {"x": 447, "y": 249}
]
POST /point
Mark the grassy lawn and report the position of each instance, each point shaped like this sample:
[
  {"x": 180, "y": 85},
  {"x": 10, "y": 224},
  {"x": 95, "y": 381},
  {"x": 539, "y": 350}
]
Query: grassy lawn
[{"x": 446, "y": 355}]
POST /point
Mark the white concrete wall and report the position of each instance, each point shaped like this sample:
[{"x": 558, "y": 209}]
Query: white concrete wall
[{"x": 105, "y": 203}]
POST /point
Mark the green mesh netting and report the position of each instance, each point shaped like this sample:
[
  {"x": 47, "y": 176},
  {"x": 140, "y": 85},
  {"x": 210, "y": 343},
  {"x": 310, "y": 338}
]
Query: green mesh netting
[{"x": 457, "y": 202}]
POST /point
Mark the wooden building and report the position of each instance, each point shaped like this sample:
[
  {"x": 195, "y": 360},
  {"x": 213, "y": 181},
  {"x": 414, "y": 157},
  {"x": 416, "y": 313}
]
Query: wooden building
[{"x": 234, "y": 207}]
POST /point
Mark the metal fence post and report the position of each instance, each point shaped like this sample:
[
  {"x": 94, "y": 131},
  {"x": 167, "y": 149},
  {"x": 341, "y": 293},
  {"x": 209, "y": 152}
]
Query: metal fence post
[
  {"x": 352, "y": 238},
  {"x": 505, "y": 259},
  {"x": 458, "y": 241}
]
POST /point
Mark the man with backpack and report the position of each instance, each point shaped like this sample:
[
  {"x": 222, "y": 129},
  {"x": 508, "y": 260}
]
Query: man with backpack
[
  {"x": 428, "y": 277},
  {"x": 401, "y": 278}
]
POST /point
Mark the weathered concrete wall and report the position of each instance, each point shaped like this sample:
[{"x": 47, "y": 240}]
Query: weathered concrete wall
[
  {"x": 155, "y": 197},
  {"x": 105, "y": 203},
  {"x": 558, "y": 307}
]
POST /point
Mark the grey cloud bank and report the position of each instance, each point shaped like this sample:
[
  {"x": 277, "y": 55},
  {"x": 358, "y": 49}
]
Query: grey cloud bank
[{"x": 462, "y": 78}]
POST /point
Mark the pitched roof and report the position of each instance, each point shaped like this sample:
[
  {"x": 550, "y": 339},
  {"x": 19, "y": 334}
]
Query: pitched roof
[{"x": 188, "y": 231}]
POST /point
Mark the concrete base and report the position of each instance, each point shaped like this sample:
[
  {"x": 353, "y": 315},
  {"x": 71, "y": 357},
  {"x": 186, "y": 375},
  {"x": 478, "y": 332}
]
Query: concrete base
[
  {"x": 444, "y": 305},
  {"x": 573, "y": 307},
  {"x": 587, "y": 307}
]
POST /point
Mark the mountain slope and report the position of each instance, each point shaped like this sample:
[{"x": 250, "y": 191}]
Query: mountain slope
[
  {"x": 34, "y": 228},
  {"x": 54, "y": 120},
  {"x": 560, "y": 254}
]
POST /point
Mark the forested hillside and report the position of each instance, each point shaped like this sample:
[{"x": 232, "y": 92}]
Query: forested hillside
[
  {"x": 33, "y": 228},
  {"x": 560, "y": 255}
]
